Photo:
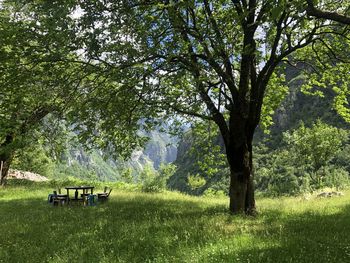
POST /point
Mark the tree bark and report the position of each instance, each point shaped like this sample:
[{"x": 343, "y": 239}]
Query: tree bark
[
  {"x": 6, "y": 157},
  {"x": 241, "y": 190},
  {"x": 5, "y": 168},
  {"x": 239, "y": 153}
]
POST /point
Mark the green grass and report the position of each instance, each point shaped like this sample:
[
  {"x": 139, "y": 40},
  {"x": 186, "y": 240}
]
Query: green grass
[{"x": 170, "y": 227}]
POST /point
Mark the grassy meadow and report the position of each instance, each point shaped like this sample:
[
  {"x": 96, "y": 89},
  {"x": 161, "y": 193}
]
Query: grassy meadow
[{"x": 171, "y": 227}]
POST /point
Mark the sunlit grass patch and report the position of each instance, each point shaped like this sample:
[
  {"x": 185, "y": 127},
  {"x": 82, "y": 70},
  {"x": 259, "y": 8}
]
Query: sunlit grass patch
[{"x": 171, "y": 227}]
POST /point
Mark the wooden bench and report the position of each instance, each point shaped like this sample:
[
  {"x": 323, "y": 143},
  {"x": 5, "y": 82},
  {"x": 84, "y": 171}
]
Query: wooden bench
[
  {"x": 58, "y": 198},
  {"x": 104, "y": 196}
]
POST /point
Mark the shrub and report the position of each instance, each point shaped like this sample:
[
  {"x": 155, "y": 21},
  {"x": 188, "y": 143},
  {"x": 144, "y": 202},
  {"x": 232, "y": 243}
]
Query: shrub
[
  {"x": 126, "y": 175},
  {"x": 155, "y": 181},
  {"x": 195, "y": 181},
  {"x": 334, "y": 177}
]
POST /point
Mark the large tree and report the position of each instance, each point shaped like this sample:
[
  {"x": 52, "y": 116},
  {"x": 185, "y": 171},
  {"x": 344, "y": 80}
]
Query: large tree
[
  {"x": 45, "y": 71},
  {"x": 212, "y": 60}
]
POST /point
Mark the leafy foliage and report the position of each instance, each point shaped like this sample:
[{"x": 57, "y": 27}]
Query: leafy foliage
[
  {"x": 275, "y": 94},
  {"x": 326, "y": 65},
  {"x": 315, "y": 146},
  {"x": 304, "y": 163},
  {"x": 35, "y": 78}
]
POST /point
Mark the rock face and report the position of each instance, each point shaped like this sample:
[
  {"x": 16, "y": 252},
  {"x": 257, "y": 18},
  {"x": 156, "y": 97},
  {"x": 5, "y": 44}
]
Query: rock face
[
  {"x": 16, "y": 174},
  {"x": 161, "y": 149},
  {"x": 76, "y": 162}
]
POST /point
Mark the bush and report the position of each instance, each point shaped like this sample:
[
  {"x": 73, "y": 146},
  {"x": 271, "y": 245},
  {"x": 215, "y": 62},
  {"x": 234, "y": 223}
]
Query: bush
[
  {"x": 195, "y": 181},
  {"x": 286, "y": 184},
  {"x": 334, "y": 177},
  {"x": 155, "y": 181}
]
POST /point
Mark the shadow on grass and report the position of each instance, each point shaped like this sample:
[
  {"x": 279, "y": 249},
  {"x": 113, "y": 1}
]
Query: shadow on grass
[
  {"x": 122, "y": 229},
  {"x": 305, "y": 237},
  {"x": 147, "y": 228}
]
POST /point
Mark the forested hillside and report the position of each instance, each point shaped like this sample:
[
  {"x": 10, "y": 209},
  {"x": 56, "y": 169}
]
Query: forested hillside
[{"x": 274, "y": 168}]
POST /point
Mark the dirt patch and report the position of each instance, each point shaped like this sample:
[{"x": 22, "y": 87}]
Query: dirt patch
[
  {"x": 16, "y": 174},
  {"x": 330, "y": 194}
]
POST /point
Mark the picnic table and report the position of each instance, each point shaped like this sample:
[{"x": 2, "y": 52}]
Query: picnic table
[{"x": 85, "y": 192}]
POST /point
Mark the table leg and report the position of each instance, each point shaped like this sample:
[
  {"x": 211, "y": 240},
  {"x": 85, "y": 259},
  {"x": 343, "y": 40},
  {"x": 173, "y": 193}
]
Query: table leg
[
  {"x": 84, "y": 197},
  {"x": 76, "y": 194}
]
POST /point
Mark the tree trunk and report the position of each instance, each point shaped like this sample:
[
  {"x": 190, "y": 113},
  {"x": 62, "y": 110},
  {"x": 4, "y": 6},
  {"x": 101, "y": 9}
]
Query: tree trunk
[
  {"x": 5, "y": 168},
  {"x": 241, "y": 190},
  {"x": 240, "y": 158},
  {"x": 6, "y": 156}
]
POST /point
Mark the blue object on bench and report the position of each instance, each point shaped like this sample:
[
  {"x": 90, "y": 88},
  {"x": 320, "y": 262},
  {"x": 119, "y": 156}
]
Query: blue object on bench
[
  {"x": 91, "y": 200},
  {"x": 50, "y": 198}
]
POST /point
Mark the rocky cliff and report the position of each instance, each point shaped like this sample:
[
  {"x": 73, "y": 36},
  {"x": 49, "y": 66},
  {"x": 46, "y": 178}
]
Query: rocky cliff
[{"x": 77, "y": 162}]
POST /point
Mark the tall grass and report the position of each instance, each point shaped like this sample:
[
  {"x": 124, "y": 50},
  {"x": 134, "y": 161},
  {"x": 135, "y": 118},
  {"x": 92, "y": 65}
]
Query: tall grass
[{"x": 170, "y": 227}]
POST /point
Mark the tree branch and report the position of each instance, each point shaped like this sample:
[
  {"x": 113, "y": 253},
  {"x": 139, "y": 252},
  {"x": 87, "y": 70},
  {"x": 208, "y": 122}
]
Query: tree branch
[{"x": 311, "y": 10}]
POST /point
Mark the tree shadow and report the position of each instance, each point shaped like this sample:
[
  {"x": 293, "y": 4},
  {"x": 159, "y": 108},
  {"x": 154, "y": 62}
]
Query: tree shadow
[
  {"x": 153, "y": 229},
  {"x": 306, "y": 237},
  {"x": 122, "y": 229}
]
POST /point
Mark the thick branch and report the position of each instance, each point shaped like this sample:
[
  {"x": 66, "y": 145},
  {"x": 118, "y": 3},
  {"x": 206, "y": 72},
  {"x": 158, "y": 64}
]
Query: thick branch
[
  {"x": 191, "y": 113},
  {"x": 195, "y": 70},
  {"x": 311, "y": 10},
  {"x": 36, "y": 117}
]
